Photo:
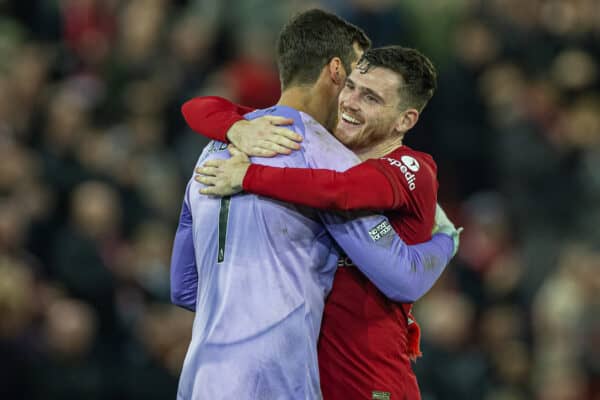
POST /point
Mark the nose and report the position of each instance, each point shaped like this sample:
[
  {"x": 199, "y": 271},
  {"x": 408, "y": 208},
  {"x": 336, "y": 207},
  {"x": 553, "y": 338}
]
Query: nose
[{"x": 349, "y": 99}]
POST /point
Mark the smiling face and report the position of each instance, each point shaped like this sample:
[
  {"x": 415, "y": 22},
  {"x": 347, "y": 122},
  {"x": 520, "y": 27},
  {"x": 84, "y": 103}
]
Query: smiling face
[
  {"x": 332, "y": 121},
  {"x": 369, "y": 108}
]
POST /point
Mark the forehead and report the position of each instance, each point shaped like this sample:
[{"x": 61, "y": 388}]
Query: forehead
[{"x": 383, "y": 81}]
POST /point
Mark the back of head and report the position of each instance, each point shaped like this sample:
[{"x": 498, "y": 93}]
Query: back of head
[
  {"x": 310, "y": 40},
  {"x": 419, "y": 77}
]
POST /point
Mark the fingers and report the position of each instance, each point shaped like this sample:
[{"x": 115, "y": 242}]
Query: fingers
[
  {"x": 206, "y": 180},
  {"x": 287, "y": 133},
  {"x": 213, "y": 163},
  {"x": 235, "y": 152},
  {"x": 262, "y": 152},
  {"x": 219, "y": 190},
  {"x": 269, "y": 149},
  {"x": 273, "y": 120},
  {"x": 214, "y": 191},
  {"x": 207, "y": 170},
  {"x": 285, "y": 142},
  {"x": 276, "y": 147},
  {"x": 208, "y": 191}
]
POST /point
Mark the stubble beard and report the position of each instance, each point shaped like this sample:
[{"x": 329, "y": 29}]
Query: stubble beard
[{"x": 363, "y": 140}]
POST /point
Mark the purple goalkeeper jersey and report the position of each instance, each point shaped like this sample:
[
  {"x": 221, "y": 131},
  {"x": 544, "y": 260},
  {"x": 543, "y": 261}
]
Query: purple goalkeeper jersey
[{"x": 257, "y": 272}]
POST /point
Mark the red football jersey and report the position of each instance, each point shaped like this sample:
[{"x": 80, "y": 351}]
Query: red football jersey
[{"x": 363, "y": 348}]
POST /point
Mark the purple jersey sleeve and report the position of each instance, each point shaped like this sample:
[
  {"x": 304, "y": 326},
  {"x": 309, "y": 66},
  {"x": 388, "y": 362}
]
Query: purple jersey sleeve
[
  {"x": 184, "y": 275},
  {"x": 403, "y": 273}
]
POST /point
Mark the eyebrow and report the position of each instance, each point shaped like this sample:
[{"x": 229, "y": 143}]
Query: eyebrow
[
  {"x": 366, "y": 90},
  {"x": 372, "y": 93}
]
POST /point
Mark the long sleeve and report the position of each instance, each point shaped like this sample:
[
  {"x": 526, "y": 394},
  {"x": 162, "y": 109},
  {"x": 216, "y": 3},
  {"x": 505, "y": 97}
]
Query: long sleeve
[
  {"x": 212, "y": 116},
  {"x": 376, "y": 184},
  {"x": 403, "y": 273},
  {"x": 184, "y": 275},
  {"x": 367, "y": 186}
]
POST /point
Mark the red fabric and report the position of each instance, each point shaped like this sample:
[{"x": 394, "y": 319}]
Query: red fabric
[
  {"x": 414, "y": 338},
  {"x": 212, "y": 116},
  {"x": 376, "y": 184},
  {"x": 84, "y": 23},
  {"x": 254, "y": 83},
  {"x": 366, "y": 341},
  {"x": 325, "y": 189}
]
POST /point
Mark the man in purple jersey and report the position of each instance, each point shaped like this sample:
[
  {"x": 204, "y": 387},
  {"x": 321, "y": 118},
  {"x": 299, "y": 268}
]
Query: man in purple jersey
[{"x": 261, "y": 269}]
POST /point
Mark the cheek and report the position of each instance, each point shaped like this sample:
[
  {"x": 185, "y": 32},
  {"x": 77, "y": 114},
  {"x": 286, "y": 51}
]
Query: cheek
[
  {"x": 381, "y": 122},
  {"x": 374, "y": 120},
  {"x": 373, "y": 130},
  {"x": 343, "y": 94}
]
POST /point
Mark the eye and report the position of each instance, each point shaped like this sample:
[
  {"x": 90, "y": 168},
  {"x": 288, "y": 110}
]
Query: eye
[
  {"x": 371, "y": 99},
  {"x": 349, "y": 84}
]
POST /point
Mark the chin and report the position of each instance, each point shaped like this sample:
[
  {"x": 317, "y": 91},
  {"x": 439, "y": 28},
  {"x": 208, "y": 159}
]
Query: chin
[
  {"x": 340, "y": 136},
  {"x": 345, "y": 137}
]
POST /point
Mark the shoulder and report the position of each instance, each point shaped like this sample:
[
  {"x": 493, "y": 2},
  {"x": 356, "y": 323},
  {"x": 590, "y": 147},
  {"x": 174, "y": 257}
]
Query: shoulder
[
  {"x": 414, "y": 170},
  {"x": 281, "y": 111},
  {"x": 408, "y": 160}
]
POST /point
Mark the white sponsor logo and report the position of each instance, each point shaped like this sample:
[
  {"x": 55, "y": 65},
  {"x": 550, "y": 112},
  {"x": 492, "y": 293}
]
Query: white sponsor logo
[
  {"x": 382, "y": 230},
  {"x": 345, "y": 261},
  {"x": 410, "y": 163},
  {"x": 413, "y": 165}
]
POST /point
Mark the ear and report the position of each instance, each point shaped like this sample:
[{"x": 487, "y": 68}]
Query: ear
[
  {"x": 406, "y": 120},
  {"x": 336, "y": 71}
]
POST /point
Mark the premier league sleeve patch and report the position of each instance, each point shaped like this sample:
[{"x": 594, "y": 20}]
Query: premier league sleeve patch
[
  {"x": 383, "y": 231},
  {"x": 379, "y": 395}
]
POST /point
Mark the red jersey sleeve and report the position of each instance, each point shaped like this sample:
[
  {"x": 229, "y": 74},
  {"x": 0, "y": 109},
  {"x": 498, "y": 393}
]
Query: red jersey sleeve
[
  {"x": 212, "y": 116},
  {"x": 377, "y": 184}
]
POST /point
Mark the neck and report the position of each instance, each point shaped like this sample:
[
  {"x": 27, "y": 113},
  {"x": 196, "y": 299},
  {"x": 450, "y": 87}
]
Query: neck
[
  {"x": 309, "y": 100},
  {"x": 380, "y": 149}
]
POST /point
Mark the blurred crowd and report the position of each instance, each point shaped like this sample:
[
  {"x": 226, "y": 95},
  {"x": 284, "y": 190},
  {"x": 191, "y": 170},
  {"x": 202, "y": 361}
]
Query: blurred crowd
[{"x": 94, "y": 157}]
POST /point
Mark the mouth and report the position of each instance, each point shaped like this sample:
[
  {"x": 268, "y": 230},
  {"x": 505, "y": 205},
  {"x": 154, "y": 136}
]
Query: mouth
[{"x": 350, "y": 119}]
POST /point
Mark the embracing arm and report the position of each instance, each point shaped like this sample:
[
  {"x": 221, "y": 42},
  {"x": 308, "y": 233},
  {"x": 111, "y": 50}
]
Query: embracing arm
[
  {"x": 375, "y": 184},
  {"x": 367, "y": 186},
  {"x": 219, "y": 119},
  {"x": 184, "y": 275},
  {"x": 403, "y": 273},
  {"x": 212, "y": 116}
]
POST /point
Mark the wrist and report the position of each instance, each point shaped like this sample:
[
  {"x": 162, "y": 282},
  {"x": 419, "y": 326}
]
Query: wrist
[
  {"x": 238, "y": 178},
  {"x": 233, "y": 133},
  {"x": 249, "y": 177}
]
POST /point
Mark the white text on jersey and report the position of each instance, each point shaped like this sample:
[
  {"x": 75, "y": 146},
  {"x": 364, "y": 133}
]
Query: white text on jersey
[{"x": 409, "y": 176}]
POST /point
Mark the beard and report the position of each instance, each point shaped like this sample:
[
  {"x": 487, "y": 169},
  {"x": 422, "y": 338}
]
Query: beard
[
  {"x": 332, "y": 119},
  {"x": 367, "y": 137},
  {"x": 332, "y": 122}
]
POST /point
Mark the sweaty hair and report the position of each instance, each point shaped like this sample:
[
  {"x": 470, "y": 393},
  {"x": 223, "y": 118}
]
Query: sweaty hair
[
  {"x": 310, "y": 40},
  {"x": 418, "y": 73}
]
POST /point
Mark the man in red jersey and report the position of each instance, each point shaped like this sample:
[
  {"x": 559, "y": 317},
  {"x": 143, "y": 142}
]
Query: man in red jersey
[{"x": 364, "y": 347}]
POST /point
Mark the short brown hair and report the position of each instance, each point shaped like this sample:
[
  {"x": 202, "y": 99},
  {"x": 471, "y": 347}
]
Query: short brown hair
[
  {"x": 310, "y": 40},
  {"x": 417, "y": 72}
]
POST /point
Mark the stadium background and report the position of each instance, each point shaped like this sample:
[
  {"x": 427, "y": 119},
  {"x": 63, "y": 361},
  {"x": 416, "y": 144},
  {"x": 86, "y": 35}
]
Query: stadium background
[{"x": 94, "y": 156}]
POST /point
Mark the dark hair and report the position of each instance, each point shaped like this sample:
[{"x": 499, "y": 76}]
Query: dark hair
[
  {"x": 418, "y": 73},
  {"x": 310, "y": 40}
]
